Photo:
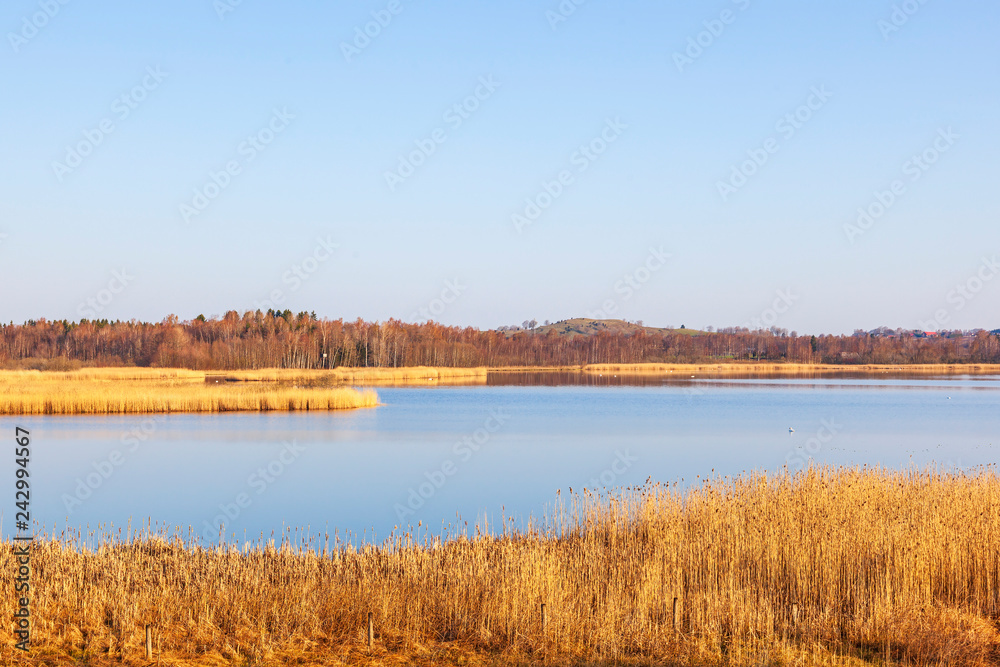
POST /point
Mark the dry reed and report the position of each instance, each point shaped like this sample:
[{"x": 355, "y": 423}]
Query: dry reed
[
  {"x": 409, "y": 375},
  {"x": 739, "y": 367},
  {"x": 829, "y": 566},
  {"x": 120, "y": 391}
]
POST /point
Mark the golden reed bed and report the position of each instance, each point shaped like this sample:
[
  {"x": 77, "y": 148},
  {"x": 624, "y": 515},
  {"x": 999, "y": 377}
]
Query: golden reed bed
[
  {"x": 794, "y": 369},
  {"x": 410, "y": 375},
  {"x": 827, "y": 567},
  {"x": 425, "y": 375},
  {"x": 121, "y": 391}
]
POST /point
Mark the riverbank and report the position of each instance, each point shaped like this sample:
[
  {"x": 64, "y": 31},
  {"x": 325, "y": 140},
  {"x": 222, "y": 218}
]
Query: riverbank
[
  {"x": 133, "y": 390},
  {"x": 792, "y": 369},
  {"x": 429, "y": 376},
  {"x": 142, "y": 391},
  {"x": 408, "y": 375},
  {"x": 829, "y": 566}
]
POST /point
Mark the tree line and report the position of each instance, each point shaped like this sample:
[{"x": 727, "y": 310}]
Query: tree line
[{"x": 286, "y": 340}]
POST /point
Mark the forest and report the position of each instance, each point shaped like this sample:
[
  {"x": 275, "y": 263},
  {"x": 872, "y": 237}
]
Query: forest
[{"x": 285, "y": 340}]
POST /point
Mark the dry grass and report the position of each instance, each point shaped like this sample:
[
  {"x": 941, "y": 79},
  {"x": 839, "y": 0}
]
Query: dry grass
[
  {"x": 411, "y": 375},
  {"x": 900, "y": 567},
  {"x": 120, "y": 391},
  {"x": 739, "y": 367},
  {"x": 104, "y": 374},
  {"x": 750, "y": 369}
]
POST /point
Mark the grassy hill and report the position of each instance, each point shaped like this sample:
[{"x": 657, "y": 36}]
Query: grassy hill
[{"x": 581, "y": 326}]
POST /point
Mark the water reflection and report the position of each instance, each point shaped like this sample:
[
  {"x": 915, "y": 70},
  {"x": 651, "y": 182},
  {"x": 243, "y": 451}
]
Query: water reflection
[
  {"x": 444, "y": 455},
  {"x": 811, "y": 379}
]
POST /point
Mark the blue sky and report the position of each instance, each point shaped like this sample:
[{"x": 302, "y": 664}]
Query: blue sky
[{"x": 311, "y": 128}]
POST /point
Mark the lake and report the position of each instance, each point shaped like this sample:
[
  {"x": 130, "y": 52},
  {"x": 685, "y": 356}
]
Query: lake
[{"x": 446, "y": 455}]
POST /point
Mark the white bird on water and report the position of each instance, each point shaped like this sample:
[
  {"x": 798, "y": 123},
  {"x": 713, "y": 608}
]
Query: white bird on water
[{"x": 791, "y": 430}]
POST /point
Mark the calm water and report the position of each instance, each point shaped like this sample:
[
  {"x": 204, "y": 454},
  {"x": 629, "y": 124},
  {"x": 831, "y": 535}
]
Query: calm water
[{"x": 434, "y": 454}]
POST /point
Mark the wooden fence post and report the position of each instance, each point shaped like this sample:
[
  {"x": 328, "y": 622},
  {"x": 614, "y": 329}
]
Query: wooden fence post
[
  {"x": 677, "y": 615},
  {"x": 371, "y": 631},
  {"x": 149, "y": 642}
]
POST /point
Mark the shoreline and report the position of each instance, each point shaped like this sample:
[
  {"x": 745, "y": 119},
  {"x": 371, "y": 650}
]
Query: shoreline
[
  {"x": 653, "y": 553},
  {"x": 471, "y": 376},
  {"x": 134, "y": 390},
  {"x": 797, "y": 368}
]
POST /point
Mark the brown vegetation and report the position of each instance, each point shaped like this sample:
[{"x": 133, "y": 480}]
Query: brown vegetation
[
  {"x": 258, "y": 340},
  {"x": 829, "y": 566},
  {"x": 793, "y": 369},
  {"x": 410, "y": 375}
]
